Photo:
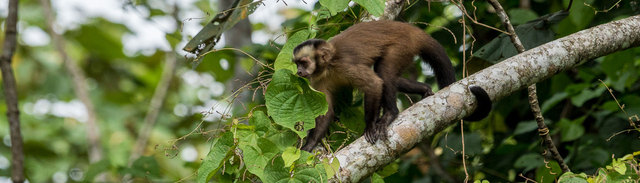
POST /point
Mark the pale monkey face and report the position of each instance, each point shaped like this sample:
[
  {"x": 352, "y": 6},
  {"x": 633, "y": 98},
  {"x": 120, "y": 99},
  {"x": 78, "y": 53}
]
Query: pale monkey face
[{"x": 305, "y": 60}]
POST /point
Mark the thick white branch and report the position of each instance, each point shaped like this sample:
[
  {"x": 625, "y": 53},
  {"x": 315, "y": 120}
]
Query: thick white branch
[{"x": 429, "y": 116}]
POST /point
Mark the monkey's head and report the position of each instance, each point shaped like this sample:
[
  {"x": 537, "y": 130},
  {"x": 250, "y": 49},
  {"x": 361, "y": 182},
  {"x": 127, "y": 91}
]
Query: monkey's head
[{"x": 311, "y": 56}]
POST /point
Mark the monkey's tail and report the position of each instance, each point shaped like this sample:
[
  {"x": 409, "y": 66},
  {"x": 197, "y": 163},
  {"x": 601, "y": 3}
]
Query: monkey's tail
[
  {"x": 434, "y": 54},
  {"x": 484, "y": 104}
]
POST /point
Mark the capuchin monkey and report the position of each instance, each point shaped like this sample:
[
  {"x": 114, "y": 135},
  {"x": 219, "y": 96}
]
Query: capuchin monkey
[{"x": 387, "y": 46}]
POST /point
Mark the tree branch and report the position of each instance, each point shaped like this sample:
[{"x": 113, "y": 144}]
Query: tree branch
[
  {"x": 159, "y": 96},
  {"x": 157, "y": 100},
  {"x": 429, "y": 116},
  {"x": 10, "y": 92},
  {"x": 79, "y": 86},
  {"x": 533, "y": 96}
]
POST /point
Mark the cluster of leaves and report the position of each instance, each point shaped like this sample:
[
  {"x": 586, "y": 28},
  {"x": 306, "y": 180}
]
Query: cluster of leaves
[
  {"x": 266, "y": 148},
  {"x": 261, "y": 150},
  {"x": 625, "y": 169}
]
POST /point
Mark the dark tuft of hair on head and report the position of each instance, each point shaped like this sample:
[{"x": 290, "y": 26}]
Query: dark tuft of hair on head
[{"x": 311, "y": 42}]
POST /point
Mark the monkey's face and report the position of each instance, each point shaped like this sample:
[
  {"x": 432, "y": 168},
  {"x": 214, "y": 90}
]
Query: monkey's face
[{"x": 305, "y": 61}]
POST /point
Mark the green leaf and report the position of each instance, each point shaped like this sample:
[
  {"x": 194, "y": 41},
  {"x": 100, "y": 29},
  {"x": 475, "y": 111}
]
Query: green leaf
[
  {"x": 276, "y": 172},
  {"x": 331, "y": 167},
  {"x": 290, "y": 155},
  {"x": 571, "y": 130},
  {"x": 145, "y": 166},
  {"x": 582, "y": 15},
  {"x": 548, "y": 175},
  {"x": 375, "y": 178},
  {"x": 529, "y": 161},
  {"x": 335, "y": 6},
  {"x": 619, "y": 166},
  {"x": 570, "y": 177},
  {"x": 524, "y": 127},
  {"x": 388, "y": 170},
  {"x": 553, "y": 101},
  {"x": 521, "y": 16},
  {"x": 257, "y": 157},
  {"x": 262, "y": 123},
  {"x": 246, "y": 136},
  {"x": 375, "y": 7},
  {"x": 220, "y": 150},
  {"x": 284, "y": 59},
  {"x": 290, "y": 100},
  {"x": 283, "y": 138},
  {"x": 97, "y": 168},
  {"x": 586, "y": 95}
]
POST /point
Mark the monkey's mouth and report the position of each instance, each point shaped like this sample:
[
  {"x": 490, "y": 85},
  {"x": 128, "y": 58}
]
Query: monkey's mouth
[{"x": 303, "y": 75}]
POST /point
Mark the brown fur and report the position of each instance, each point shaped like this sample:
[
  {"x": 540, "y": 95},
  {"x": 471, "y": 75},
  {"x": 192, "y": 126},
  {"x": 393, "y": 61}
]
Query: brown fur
[{"x": 347, "y": 58}]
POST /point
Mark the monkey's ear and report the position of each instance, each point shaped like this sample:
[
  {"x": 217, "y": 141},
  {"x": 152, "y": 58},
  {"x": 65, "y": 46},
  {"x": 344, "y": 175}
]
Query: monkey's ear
[{"x": 326, "y": 52}]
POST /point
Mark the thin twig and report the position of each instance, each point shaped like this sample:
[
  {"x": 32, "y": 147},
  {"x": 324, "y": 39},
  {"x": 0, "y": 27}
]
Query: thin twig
[
  {"x": 464, "y": 73},
  {"x": 10, "y": 93},
  {"x": 596, "y": 11},
  {"x": 157, "y": 100},
  {"x": 543, "y": 130}
]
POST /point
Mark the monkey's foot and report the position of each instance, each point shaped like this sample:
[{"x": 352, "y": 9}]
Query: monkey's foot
[
  {"x": 370, "y": 134},
  {"x": 429, "y": 93},
  {"x": 381, "y": 131},
  {"x": 307, "y": 148}
]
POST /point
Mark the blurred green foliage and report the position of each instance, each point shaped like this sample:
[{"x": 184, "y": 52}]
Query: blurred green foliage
[{"x": 586, "y": 122}]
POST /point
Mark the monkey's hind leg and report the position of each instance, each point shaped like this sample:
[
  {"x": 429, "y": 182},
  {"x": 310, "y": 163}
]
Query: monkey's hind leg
[{"x": 413, "y": 87}]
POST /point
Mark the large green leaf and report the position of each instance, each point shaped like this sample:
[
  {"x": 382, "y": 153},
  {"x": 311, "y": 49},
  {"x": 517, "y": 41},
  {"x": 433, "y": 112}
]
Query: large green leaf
[
  {"x": 335, "y": 6},
  {"x": 375, "y": 7},
  {"x": 283, "y": 61},
  {"x": 290, "y": 100},
  {"x": 257, "y": 157},
  {"x": 220, "y": 150}
]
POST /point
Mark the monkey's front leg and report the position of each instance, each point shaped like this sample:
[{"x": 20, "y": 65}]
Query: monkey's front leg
[
  {"x": 372, "y": 99},
  {"x": 322, "y": 126}
]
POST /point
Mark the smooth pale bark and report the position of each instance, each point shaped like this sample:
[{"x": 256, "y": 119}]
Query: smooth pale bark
[{"x": 360, "y": 159}]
